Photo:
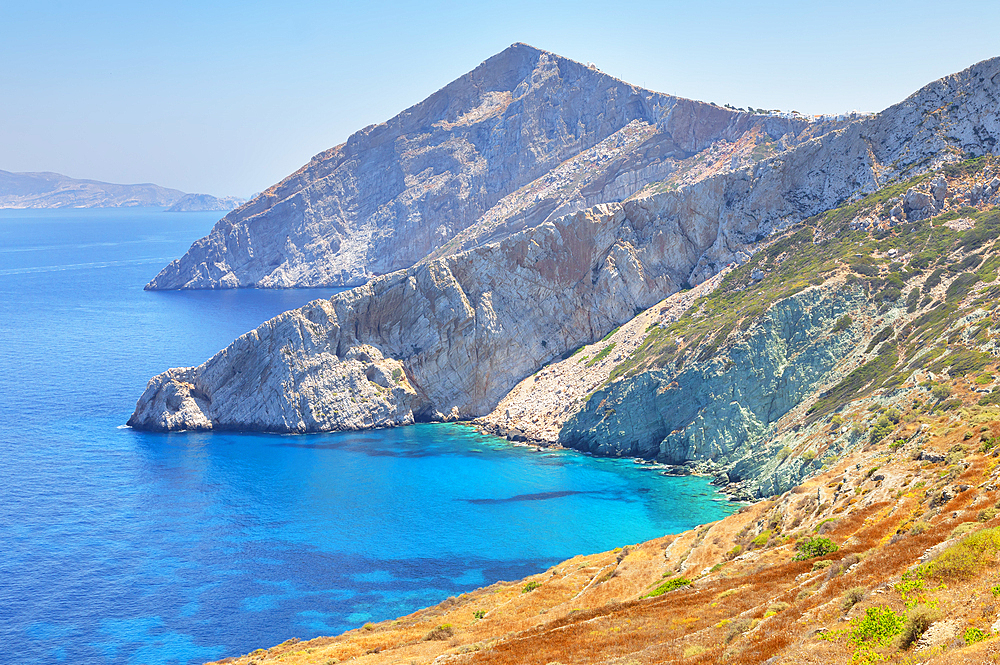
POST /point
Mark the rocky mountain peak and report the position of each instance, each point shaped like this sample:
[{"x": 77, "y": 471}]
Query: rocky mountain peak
[{"x": 402, "y": 190}]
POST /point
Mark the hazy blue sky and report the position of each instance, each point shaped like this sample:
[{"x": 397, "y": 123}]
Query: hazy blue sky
[{"x": 229, "y": 97}]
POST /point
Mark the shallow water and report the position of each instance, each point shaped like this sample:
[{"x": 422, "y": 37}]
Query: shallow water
[{"x": 130, "y": 547}]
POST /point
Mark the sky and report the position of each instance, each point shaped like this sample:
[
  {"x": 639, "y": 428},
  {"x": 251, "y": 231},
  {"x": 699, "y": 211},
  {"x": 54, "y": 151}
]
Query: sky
[{"x": 228, "y": 98}]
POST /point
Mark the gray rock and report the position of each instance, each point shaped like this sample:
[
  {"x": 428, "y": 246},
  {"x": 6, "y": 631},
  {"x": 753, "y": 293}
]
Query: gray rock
[
  {"x": 939, "y": 189},
  {"x": 916, "y": 201}
]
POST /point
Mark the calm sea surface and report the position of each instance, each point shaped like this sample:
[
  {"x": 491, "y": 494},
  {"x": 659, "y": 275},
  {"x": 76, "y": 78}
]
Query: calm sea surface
[{"x": 127, "y": 547}]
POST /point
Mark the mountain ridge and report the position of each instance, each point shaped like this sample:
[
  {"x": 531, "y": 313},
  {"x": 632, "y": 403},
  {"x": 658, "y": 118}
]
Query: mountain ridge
[
  {"x": 46, "y": 189},
  {"x": 397, "y": 191}
]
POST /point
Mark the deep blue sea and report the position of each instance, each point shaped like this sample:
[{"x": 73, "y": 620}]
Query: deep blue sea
[{"x": 121, "y": 546}]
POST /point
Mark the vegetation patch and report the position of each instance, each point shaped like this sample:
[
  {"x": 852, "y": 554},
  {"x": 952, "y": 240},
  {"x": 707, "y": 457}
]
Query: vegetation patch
[
  {"x": 811, "y": 548},
  {"x": 602, "y": 354},
  {"x": 670, "y": 585}
]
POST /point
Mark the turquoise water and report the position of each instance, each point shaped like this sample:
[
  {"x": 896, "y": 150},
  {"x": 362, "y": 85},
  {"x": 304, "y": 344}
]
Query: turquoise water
[{"x": 129, "y": 547}]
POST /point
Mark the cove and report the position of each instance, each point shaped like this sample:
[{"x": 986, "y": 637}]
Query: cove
[{"x": 130, "y": 547}]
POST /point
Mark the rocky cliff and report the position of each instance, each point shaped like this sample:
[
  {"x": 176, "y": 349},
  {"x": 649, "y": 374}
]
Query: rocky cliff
[
  {"x": 52, "y": 190},
  {"x": 526, "y": 137},
  {"x": 451, "y": 336}
]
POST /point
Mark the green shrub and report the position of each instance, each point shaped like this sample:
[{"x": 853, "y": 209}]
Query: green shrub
[
  {"x": 919, "y": 620},
  {"x": 852, "y": 597},
  {"x": 883, "y": 428},
  {"x": 669, "y": 585},
  {"x": 940, "y": 392},
  {"x": 933, "y": 280},
  {"x": 843, "y": 323},
  {"x": 397, "y": 374},
  {"x": 814, "y": 547},
  {"x": 442, "y": 632},
  {"x": 973, "y": 635},
  {"x": 761, "y": 540},
  {"x": 876, "y": 628},
  {"x": 530, "y": 586},
  {"x": 479, "y": 614}
]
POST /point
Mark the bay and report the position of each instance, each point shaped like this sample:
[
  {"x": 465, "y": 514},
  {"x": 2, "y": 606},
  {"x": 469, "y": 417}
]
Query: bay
[{"x": 122, "y": 546}]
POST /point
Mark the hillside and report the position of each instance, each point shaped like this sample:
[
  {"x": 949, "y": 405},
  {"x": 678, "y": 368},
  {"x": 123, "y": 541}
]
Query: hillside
[
  {"x": 527, "y": 136},
  {"x": 872, "y": 328},
  {"x": 52, "y": 190}
]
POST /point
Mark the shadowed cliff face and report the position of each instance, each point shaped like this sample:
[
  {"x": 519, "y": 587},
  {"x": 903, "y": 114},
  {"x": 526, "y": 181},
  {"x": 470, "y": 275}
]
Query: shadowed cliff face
[
  {"x": 450, "y": 337},
  {"x": 398, "y": 191}
]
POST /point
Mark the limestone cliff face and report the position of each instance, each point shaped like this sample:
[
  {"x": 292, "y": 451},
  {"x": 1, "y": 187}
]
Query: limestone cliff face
[
  {"x": 527, "y": 136},
  {"x": 443, "y": 340}
]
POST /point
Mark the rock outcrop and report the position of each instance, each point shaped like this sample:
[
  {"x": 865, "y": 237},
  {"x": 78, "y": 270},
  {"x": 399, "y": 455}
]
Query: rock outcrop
[
  {"x": 721, "y": 410},
  {"x": 52, "y": 190},
  {"x": 526, "y": 137}
]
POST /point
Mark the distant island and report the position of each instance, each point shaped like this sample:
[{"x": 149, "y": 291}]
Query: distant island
[
  {"x": 201, "y": 202},
  {"x": 53, "y": 190}
]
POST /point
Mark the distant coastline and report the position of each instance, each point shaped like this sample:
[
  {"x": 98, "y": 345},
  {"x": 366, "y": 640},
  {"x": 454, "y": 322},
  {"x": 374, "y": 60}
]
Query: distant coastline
[{"x": 53, "y": 190}]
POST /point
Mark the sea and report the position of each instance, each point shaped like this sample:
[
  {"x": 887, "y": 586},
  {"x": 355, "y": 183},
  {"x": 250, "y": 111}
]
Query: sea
[{"x": 121, "y": 546}]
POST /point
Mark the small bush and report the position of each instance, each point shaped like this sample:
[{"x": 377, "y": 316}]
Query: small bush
[
  {"x": 973, "y": 635},
  {"x": 530, "y": 586},
  {"x": 852, "y": 597},
  {"x": 920, "y": 619},
  {"x": 820, "y": 565},
  {"x": 814, "y": 547},
  {"x": 963, "y": 529},
  {"x": 877, "y": 627},
  {"x": 986, "y": 514},
  {"x": 776, "y": 608},
  {"x": 669, "y": 585},
  {"x": 940, "y": 392},
  {"x": 737, "y": 628},
  {"x": 843, "y": 323},
  {"x": 479, "y": 614},
  {"x": 761, "y": 540},
  {"x": 442, "y": 632}
]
